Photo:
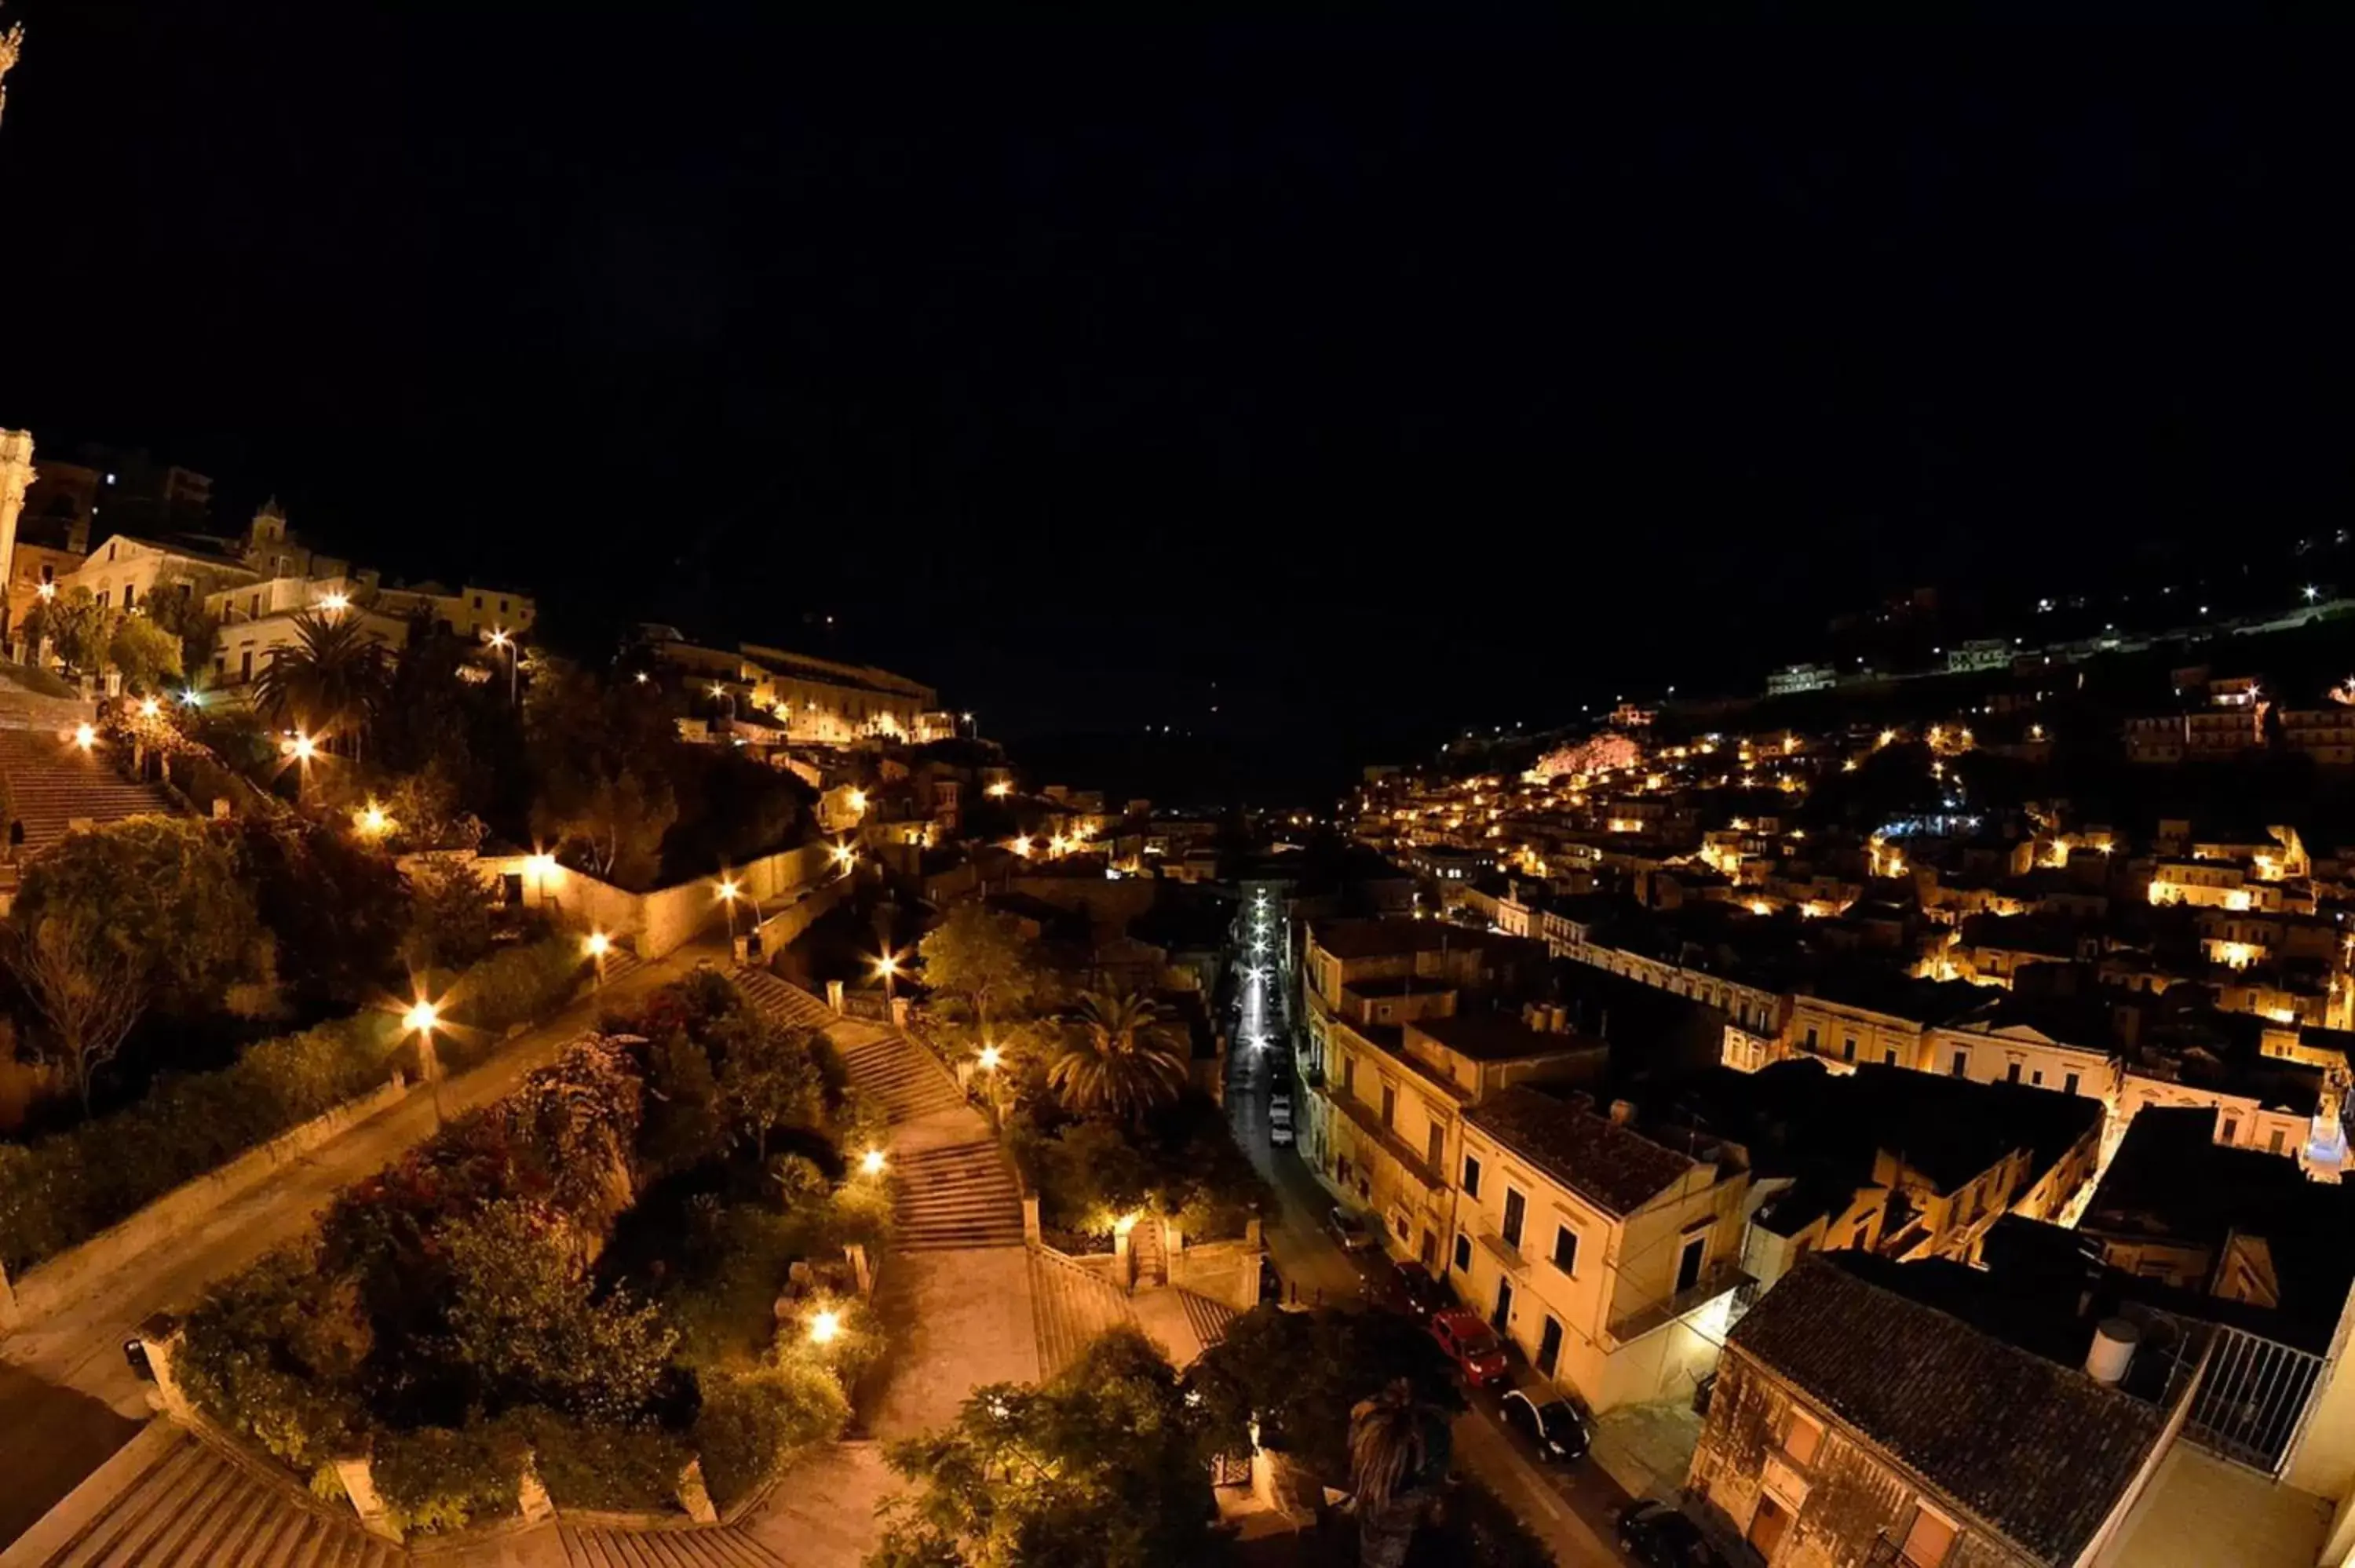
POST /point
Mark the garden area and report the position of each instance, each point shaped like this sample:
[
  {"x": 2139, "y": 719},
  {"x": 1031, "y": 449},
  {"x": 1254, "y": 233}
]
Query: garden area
[
  {"x": 632, "y": 1264},
  {"x": 178, "y": 991},
  {"x": 1110, "y": 1464},
  {"x": 1091, "y": 1089}
]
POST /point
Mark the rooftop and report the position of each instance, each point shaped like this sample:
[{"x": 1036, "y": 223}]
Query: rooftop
[
  {"x": 1379, "y": 938},
  {"x": 1501, "y": 1037},
  {"x": 2036, "y": 1449},
  {"x": 1614, "y": 1167}
]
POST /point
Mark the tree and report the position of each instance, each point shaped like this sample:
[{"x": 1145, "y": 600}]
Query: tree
[
  {"x": 450, "y": 912},
  {"x": 331, "y": 683},
  {"x": 604, "y": 797},
  {"x": 1296, "y": 1377},
  {"x": 85, "y": 991},
  {"x": 337, "y": 906},
  {"x": 526, "y": 1322},
  {"x": 1103, "y": 1467},
  {"x": 1120, "y": 1061},
  {"x": 1601, "y": 754},
  {"x": 768, "y": 1078},
  {"x": 77, "y": 626},
  {"x": 979, "y": 956},
  {"x": 1398, "y": 1450},
  {"x": 177, "y": 606},
  {"x": 145, "y": 653},
  {"x": 160, "y": 893}
]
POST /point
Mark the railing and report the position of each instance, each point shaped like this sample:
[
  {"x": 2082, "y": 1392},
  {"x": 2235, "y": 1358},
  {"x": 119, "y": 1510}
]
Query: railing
[{"x": 1723, "y": 1279}]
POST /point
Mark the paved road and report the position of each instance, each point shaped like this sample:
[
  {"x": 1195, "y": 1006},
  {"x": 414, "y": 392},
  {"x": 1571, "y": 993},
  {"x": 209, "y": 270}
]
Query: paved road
[
  {"x": 68, "y": 1399},
  {"x": 1571, "y": 1506}
]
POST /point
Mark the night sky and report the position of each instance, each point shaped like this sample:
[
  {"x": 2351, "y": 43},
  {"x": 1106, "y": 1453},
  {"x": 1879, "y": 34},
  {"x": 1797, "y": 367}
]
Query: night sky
[{"x": 1390, "y": 379}]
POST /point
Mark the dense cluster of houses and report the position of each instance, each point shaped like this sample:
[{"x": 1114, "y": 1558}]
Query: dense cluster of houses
[{"x": 1936, "y": 1154}]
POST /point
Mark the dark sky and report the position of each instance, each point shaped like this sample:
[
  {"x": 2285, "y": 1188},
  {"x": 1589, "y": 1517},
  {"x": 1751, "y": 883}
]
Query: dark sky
[{"x": 1392, "y": 379}]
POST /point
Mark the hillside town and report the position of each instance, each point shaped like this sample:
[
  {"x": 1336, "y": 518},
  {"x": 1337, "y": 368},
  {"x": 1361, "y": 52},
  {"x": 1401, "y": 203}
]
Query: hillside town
[{"x": 1731, "y": 943}]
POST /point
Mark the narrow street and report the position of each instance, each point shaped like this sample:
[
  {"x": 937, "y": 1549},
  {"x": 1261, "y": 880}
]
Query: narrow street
[{"x": 1571, "y": 1507}]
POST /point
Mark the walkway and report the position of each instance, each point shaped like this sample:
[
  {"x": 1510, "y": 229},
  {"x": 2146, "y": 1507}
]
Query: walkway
[
  {"x": 954, "y": 1295},
  {"x": 68, "y": 1399},
  {"x": 54, "y": 784}
]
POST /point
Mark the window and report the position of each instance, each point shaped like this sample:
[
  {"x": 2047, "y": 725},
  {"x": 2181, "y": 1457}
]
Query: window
[
  {"x": 2231, "y": 1132},
  {"x": 2011, "y": 1072},
  {"x": 1565, "y": 1249},
  {"x": 1471, "y": 1177},
  {"x": 129, "y": 592},
  {"x": 109, "y": 550},
  {"x": 245, "y": 665},
  {"x": 1962, "y": 1066},
  {"x": 2274, "y": 1141},
  {"x": 1437, "y": 1147},
  {"x": 1516, "y": 1208},
  {"x": 2069, "y": 1085},
  {"x": 478, "y": 602},
  {"x": 1928, "y": 1542},
  {"x": 1847, "y": 1049},
  {"x": 1548, "y": 1347},
  {"x": 1463, "y": 1253},
  {"x": 1811, "y": 1036},
  {"x": 2037, "y": 1077},
  {"x": 1802, "y": 1436},
  {"x": 1389, "y": 1105},
  {"x": 1398, "y": 1223},
  {"x": 1348, "y": 1075},
  {"x": 1889, "y": 1059}
]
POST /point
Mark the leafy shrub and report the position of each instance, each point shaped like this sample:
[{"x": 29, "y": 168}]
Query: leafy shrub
[
  {"x": 268, "y": 1354},
  {"x": 439, "y": 1478},
  {"x": 595, "y": 1465},
  {"x": 522, "y": 984},
  {"x": 63, "y": 1190},
  {"x": 450, "y": 915},
  {"x": 753, "y": 1423}
]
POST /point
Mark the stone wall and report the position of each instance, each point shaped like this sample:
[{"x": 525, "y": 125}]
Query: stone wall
[
  {"x": 667, "y": 918},
  {"x": 63, "y": 1279}
]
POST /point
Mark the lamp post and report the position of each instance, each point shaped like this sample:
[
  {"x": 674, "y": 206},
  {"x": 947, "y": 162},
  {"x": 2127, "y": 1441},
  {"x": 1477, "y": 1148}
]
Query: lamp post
[
  {"x": 499, "y": 639},
  {"x": 888, "y": 966},
  {"x": 420, "y": 1020},
  {"x": 728, "y": 896},
  {"x": 598, "y": 945}
]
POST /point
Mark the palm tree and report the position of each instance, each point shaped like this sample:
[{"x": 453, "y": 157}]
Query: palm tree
[
  {"x": 1397, "y": 1446},
  {"x": 1122, "y": 1061},
  {"x": 330, "y": 682}
]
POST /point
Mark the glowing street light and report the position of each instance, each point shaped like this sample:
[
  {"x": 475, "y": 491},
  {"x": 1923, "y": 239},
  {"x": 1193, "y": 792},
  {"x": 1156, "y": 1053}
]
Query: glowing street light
[
  {"x": 421, "y": 1017},
  {"x": 597, "y": 945},
  {"x": 335, "y": 603},
  {"x": 192, "y": 698},
  {"x": 2311, "y": 593},
  {"x": 1021, "y": 845},
  {"x": 728, "y": 896},
  {"x": 149, "y": 707},
  {"x": 85, "y": 737},
  {"x": 888, "y": 966},
  {"x": 540, "y": 868},
  {"x": 990, "y": 1057},
  {"x": 49, "y": 590},
  {"x": 858, "y": 800},
  {"x": 871, "y": 1162},
  {"x": 304, "y": 749},
  {"x": 824, "y": 1327},
  {"x": 999, "y": 790},
  {"x": 371, "y": 819},
  {"x": 843, "y": 856},
  {"x": 498, "y": 638}
]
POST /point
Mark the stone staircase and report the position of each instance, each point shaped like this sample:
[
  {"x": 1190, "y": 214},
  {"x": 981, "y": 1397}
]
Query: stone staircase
[
  {"x": 172, "y": 1500},
  {"x": 908, "y": 1079},
  {"x": 1070, "y": 1306},
  {"x": 785, "y": 1002},
  {"x": 696, "y": 1546},
  {"x": 55, "y": 783},
  {"x": 956, "y": 1195},
  {"x": 621, "y": 963},
  {"x": 1147, "y": 1256}
]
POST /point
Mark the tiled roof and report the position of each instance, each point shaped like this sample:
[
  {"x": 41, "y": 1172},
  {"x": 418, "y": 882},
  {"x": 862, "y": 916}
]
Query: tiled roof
[
  {"x": 2038, "y": 1450},
  {"x": 1612, "y": 1166}
]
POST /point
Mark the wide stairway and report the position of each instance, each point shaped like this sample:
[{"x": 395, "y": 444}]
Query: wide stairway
[
  {"x": 55, "y": 783},
  {"x": 1071, "y": 1305},
  {"x": 956, "y": 1195},
  {"x": 785, "y": 1002},
  {"x": 194, "y": 1505},
  {"x": 908, "y": 1079},
  {"x": 703, "y": 1546}
]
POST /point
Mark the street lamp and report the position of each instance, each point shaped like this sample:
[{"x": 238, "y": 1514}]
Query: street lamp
[
  {"x": 888, "y": 966},
  {"x": 597, "y": 945},
  {"x": 421, "y": 1020},
  {"x": 824, "y": 1327},
  {"x": 871, "y": 1162},
  {"x": 990, "y": 1057},
  {"x": 728, "y": 896},
  {"x": 846, "y": 857},
  {"x": 85, "y": 737},
  {"x": 541, "y": 869},
  {"x": 149, "y": 707},
  {"x": 335, "y": 603},
  {"x": 192, "y": 698},
  {"x": 499, "y": 639},
  {"x": 372, "y": 820},
  {"x": 49, "y": 590}
]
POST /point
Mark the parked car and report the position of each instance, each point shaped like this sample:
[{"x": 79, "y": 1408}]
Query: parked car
[
  {"x": 1271, "y": 1283},
  {"x": 1471, "y": 1344},
  {"x": 1661, "y": 1536},
  {"x": 1280, "y": 1134},
  {"x": 1279, "y": 1114},
  {"x": 1412, "y": 1290},
  {"x": 1551, "y": 1422},
  {"x": 1352, "y": 1232},
  {"x": 1279, "y": 1101}
]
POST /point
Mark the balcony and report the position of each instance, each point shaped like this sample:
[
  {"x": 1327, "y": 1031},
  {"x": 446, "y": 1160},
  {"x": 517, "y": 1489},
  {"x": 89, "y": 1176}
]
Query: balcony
[
  {"x": 1723, "y": 1279},
  {"x": 1406, "y": 1155}
]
